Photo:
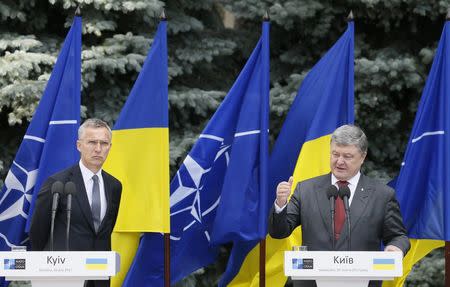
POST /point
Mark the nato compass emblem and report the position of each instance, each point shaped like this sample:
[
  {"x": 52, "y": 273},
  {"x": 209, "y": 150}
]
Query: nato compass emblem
[
  {"x": 15, "y": 201},
  {"x": 197, "y": 186}
]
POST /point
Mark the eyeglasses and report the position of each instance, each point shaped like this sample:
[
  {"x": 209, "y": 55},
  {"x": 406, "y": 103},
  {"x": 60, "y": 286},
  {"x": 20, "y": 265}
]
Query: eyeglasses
[{"x": 94, "y": 143}]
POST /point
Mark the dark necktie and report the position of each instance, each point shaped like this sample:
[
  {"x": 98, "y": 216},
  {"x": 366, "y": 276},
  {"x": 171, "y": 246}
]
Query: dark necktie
[
  {"x": 339, "y": 216},
  {"x": 95, "y": 206}
]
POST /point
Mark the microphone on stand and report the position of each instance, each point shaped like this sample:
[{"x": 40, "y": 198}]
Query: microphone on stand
[
  {"x": 69, "y": 190},
  {"x": 344, "y": 193},
  {"x": 332, "y": 194},
  {"x": 56, "y": 189}
]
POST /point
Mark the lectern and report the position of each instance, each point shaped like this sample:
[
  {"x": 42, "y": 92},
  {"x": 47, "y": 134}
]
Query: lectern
[
  {"x": 58, "y": 268},
  {"x": 341, "y": 268}
]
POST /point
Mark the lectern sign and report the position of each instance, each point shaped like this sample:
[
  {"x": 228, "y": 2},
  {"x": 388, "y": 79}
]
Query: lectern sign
[
  {"x": 65, "y": 268},
  {"x": 323, "y": 263},
  {"x": 337, "y": 268}
]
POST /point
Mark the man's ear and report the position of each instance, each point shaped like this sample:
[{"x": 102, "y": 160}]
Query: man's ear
[{"x": 363, "y": 157}]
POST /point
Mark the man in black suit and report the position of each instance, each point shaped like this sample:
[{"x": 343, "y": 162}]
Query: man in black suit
[
  {"x": 374, "y": 210},
  {"x": 94, "y": 205}
]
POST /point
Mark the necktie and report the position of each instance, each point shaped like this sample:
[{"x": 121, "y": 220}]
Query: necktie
[
  {"x": 339, "y": 216},
  {"x": 95, "y": 206}
]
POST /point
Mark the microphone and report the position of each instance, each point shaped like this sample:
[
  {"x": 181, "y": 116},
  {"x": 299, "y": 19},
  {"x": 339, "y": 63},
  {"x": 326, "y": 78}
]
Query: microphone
[
  {"x": 56, "y": 189},
  {"x": 332, "y": 193},
  {"x": 69, "y": 190},
  {"x": 344, "y": 193}
]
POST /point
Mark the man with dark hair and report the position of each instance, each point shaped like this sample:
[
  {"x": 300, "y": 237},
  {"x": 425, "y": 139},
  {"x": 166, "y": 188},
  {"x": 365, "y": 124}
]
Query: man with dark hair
[
  {"x": 95, "y": 204},
  {"x": 374, "y": 210}
]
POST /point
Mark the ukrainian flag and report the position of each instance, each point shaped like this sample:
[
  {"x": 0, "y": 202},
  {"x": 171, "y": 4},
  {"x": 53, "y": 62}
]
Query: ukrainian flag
[
  {"x": 139, "y": 156},
  {"x": 383, "y": 264},
  {"x": 324, "y": 102},
  {"x": 423, "y": 185},
  {"x": 96, "y": 264}
]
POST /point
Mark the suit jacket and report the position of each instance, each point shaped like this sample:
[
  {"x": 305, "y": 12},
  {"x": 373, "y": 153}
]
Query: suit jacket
[
  {"x": 82, "y": 233},
  {"x": 374, "y": 214}
]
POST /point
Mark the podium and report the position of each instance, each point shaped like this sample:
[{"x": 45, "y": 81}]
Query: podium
[
  {"x": 342, "y": 268},
  {"x": 58, "y": 268}
]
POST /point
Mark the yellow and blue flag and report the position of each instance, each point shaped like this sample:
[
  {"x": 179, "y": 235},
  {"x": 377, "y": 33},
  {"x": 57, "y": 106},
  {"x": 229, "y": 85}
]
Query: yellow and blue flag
[
  {"x": 423, "y": 185},
  {"x": 48, "y": 146},
  {"x": 324, "y": 102},
  {"x": 229, "y": 157},
  {"x": 139, "y": 156},
  {"x": 383, "y": 264},
  {"x": 96, "y": 263}
]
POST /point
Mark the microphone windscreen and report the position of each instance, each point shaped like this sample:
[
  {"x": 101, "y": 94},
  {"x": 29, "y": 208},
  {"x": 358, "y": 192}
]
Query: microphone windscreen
[
  {"x": 332, "y": 191},
  {"x": 70, "y": 188},
  {"x": 344, "y": 192},
  {"x": 57, "y": 187}
]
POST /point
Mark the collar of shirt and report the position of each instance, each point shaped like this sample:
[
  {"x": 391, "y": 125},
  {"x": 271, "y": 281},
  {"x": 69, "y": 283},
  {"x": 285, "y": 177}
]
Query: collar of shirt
[
  {"x": 89, "y": 182},
  {"x": 88, "y": 174},
  {"x": 352, "y": 184}
]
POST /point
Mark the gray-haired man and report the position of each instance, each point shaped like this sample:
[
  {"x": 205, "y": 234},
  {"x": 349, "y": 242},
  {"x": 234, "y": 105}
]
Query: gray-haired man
[
  {"x": 95, "y": 204},
  {"x": 374, "y": 210}
]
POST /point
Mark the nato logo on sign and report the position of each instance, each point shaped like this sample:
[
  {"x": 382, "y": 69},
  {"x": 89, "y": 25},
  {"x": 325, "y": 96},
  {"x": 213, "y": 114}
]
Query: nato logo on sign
[
  {"x": 14, "y": 264},
  {"x": 302, "y": 263}
]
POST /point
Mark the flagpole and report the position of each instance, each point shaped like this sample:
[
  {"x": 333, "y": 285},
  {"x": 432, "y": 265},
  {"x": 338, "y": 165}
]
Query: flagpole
[
  {"x": 166, "y": 259},
  {"x": 162, "y": 17},
  {"x": 262, "y": 243},
  {"x": 262, "y": 263}
]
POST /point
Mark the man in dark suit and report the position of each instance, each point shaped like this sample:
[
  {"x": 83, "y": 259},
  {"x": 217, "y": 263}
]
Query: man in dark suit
[
  {"x": 374, "y": 210},
  {"x": 94, "y": 205}
]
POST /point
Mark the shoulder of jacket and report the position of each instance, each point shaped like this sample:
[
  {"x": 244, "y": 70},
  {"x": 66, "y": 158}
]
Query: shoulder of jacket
[
  {"x": 110, "y": 177},
  {"x": 378, "y": 186},
  {"x": 63, "y": 175}
]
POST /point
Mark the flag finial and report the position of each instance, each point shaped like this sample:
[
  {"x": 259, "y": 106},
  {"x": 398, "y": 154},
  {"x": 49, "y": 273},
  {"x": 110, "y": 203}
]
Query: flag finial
[
  {"x": 266, "y": 16},
  {"x": 162, "y": 16},
  {"x": 78, "y": 11},
  {"x": 350, "y": 16}
]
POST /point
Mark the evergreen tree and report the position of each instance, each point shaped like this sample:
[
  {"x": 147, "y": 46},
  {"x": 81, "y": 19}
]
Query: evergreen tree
[{"x": 116, "y": 39}]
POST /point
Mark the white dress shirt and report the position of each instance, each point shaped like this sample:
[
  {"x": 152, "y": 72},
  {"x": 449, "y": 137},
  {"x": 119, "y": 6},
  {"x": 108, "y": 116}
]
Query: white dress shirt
[
  {"x": 89, "y": 182},
  {"x": 352, "y": 183}
]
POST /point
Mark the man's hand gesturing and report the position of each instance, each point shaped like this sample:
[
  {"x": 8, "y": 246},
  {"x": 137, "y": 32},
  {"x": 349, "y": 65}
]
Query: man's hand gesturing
[{"x": 283, "y": 191}]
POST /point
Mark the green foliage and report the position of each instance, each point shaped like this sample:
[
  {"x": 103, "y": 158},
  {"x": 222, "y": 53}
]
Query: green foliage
[
  {"x": 394, "y": 47},
  {"x": 429, "y": 272},
  {"x": 116, "y": 38}
]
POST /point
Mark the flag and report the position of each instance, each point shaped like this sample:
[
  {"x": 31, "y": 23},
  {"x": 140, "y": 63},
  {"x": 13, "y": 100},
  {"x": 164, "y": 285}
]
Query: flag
[
  {"x": 242, "y": 210},
  {"x": 234, "y": 141},
  {"x": 423, "y": 185},
  {"x": 48, "y": 146},
  {"x": 139, "y": 156},
  {"x": 324, "y": 102}
]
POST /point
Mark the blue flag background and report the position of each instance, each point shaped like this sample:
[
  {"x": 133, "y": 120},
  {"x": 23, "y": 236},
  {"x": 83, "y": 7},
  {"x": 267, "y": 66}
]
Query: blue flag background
[
  {"x": 324, "y": 102},
  {"x": 49, "y": 144},
  {"x": 232, "y": 147},
  {"x": 423, "y": 185}
]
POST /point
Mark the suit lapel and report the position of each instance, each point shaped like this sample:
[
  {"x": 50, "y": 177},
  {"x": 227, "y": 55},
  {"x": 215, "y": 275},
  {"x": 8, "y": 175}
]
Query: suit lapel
[
  {"x": 359, "y": 201},
  {"x": 81, "y": 196},
  {"x": 108, "y": 196},
  {"x": 323, "y": 202}
]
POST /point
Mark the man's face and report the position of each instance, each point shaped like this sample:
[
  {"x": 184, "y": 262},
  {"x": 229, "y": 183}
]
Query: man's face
[
  {"x": 94, "y": 146},
  {"x": 345, "y": 161}
]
